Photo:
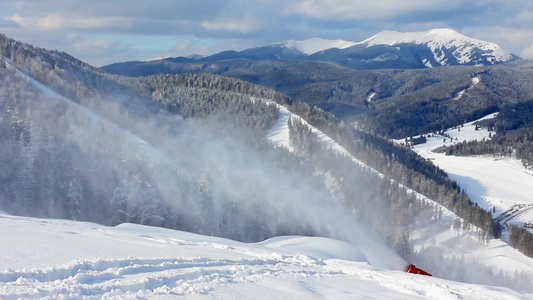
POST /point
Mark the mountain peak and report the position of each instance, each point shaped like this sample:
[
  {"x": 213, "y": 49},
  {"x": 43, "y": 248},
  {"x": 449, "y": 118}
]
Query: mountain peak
[
  {"x": 443, "y": 31},
  {"x": 445, "y": 43},
  {"x": 314, "y": 45},
  {"x": 389, "y": 37}
]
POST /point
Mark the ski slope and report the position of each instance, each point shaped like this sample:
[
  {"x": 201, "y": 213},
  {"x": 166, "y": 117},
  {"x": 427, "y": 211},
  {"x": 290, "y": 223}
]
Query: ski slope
[
  {"x": 50, "y": 259},
  {"x": 496, "y": 255},
  {"x": 495, "y": 183}
]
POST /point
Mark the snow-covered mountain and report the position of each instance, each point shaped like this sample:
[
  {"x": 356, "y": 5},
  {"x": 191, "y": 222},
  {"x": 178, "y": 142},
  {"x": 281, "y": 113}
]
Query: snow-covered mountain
[
  {"x": 385, "y": 50},
  {"x": 314, "y": 45},
  {"x": 447, "y": 45},
  {"x": 51, "y": 259}
]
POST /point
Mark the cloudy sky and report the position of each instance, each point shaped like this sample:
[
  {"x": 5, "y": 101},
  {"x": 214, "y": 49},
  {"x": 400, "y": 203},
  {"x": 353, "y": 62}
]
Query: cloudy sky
[{"x": 106, "y": 31}]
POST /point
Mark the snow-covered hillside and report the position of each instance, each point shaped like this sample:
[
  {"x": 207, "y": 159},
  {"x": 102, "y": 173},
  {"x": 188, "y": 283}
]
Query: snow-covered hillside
[
  {"x": 498, "y": 184},
  {"x": 136, "y": 145},
  {"x": 440, "y": 41},
  {"x": 495, "y": 255},
  {"x": 280, "y": 137},
  {"x": 50, "y": 259},
  {"x": 314, "y": 45}
]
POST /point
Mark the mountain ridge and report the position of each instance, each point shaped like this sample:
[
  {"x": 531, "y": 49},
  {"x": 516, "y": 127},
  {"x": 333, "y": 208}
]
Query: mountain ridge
[
  {"x": 314, "y": 45},
  {"x": 387, "y": 49},
  {"x": 440, "y": 39}
]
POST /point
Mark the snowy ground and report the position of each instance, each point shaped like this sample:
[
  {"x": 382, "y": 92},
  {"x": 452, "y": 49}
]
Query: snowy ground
[
  {"x": 44, "y": 258},
  {"x": 500, "y": 183}
]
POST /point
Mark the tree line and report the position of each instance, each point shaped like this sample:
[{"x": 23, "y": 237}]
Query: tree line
[{"x": 402, "y": 165}]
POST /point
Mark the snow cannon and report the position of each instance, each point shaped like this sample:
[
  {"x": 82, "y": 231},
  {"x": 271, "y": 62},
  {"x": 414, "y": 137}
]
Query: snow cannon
[{"x": 413, "y": 269}]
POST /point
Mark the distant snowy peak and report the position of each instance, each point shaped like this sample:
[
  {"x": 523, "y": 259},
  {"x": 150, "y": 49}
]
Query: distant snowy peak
[
  {"x": 314, "y": 45},
  {"x": 446, "y": 45},
  {"x": 389, "y": 37},
  {"x": 385, "y": 50},
  {"x": 436, "y": 47}
]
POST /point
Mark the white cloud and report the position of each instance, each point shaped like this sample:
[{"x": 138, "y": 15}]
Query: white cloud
[
  {"x": 69, "y": 25},
  {"x": 16, "y": 18},
  {"x": 94, "y": 47},
  {"x": 243, "y": 25},
  {"x": 514, "y": 40},
  {"x": 54, "y": 22},
  {"x": 525, "y": 16},
  {"x": 188, "y": 46},
  {"x": 528, "y": 52},
  {"x": 364, "y": 9}
]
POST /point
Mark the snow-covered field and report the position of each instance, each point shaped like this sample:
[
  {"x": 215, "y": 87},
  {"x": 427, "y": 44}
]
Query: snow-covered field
[
  {"x": 499, "y": 183},
  {"x": 44, "y": 258}
]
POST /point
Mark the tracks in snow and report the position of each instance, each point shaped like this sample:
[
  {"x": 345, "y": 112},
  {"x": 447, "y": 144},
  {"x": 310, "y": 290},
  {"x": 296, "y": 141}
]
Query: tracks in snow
[
  {"x": 131, "y": 277},
  {"x": 512, "y": 213}
]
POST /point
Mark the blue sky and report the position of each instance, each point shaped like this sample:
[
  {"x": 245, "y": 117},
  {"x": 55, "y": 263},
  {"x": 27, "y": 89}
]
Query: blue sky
[{"x": 106, "y": 31}]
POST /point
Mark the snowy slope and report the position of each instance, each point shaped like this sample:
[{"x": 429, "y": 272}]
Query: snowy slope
[
  {"x": 459, "y": 95},
  {"x": 280, "y": 137},
  {"x": 279, "y": 132},
  {"x": 500, "y": 183},
  {"x": 314, "y": 45},
  {"x": 441, "y": 40},
  {"x": 497, "y": 255},
  {"x": 50, "y": 259}
]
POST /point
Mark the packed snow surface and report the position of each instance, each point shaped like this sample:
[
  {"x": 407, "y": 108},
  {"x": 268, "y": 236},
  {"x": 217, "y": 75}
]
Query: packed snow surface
[
  {"x": 315, "y": 45},
  {"x": 50, "y": 259}
]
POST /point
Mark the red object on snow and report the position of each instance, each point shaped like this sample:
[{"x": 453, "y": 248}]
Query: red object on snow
[{"x": 412, "y": 269}]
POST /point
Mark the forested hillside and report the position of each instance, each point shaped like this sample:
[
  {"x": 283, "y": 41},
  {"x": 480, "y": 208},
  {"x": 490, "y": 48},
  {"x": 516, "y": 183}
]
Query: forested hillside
[
  {"x": 65, "y": 161},
  {"x": 390, "y": 103},
  {"x": 385, "y": 206},
  {"x": 513, "y": 134},
  {"x": 404, "y": 166}
]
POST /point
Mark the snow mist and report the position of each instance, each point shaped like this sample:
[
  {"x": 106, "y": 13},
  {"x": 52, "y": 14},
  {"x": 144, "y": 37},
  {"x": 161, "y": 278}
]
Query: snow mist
[
  {"x": 244, "y": 193},
  {"x": 206, "y": 176}
]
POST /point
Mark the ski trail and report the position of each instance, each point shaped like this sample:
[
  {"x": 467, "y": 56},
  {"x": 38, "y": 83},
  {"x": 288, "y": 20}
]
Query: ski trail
[
  {"x": 279, "y": 132},
  {"x": 475, "y": 81}
]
